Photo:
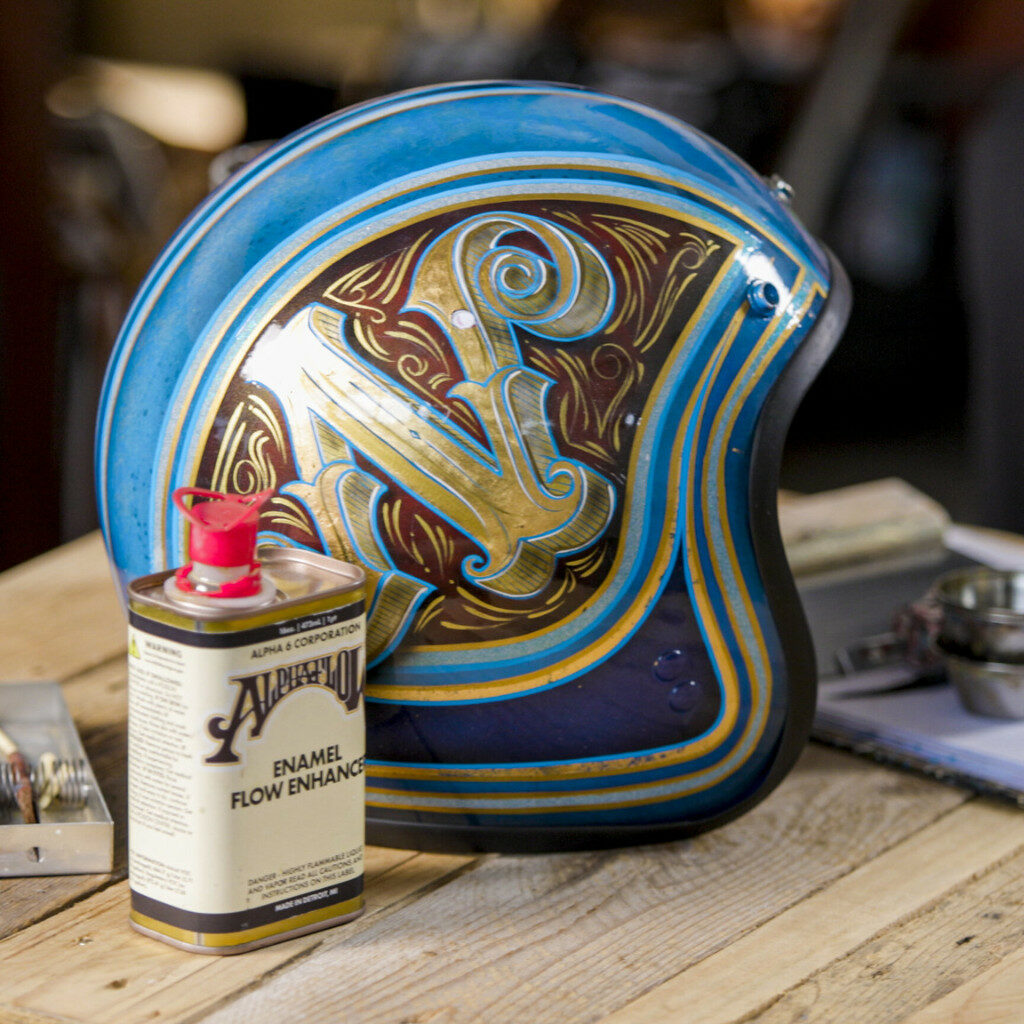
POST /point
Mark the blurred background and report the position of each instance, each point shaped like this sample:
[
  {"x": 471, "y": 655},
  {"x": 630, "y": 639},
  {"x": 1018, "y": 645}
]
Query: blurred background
[{"x": 899, "y": 124}]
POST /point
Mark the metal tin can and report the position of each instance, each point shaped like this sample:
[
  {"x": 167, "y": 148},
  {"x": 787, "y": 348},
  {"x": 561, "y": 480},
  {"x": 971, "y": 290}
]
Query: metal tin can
[{"x": 246, "y": 757}]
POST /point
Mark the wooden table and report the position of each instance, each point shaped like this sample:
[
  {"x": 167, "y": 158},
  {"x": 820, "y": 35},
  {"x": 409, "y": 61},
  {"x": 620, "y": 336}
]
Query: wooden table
[{"x": 854, "y": 893}]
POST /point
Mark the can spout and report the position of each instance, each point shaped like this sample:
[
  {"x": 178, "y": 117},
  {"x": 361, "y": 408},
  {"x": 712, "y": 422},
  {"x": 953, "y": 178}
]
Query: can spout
[{"x": 222, "y": 542}]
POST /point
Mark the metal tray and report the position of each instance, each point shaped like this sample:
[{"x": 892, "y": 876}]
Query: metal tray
[{"x": 69, "y": 839}]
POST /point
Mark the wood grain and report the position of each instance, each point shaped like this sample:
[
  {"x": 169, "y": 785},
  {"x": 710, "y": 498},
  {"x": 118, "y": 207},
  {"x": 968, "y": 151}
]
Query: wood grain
[
  {"x": 917, "y": 961},
  {"x": 573, "y": 937},
  {"x": 97, "y": 969},
  {"x": 23, "y": 901},
  {"x": 19, "y": 1017},
  {"x": 993, "y": 998},
  {"x": 61, "y": 614},
  {"x": 823, "y": 928}
]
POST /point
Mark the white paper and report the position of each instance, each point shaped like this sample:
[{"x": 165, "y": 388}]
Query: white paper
[{"x": 929, "y": 724}]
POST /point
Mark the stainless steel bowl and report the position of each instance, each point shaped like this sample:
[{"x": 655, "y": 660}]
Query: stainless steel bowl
[
  {"x": 982, "y": 615},
  {"x": 988, "y": 688}
]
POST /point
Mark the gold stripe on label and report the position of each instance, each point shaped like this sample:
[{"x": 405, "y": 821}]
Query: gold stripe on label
[{"x": 215, "y": 940}]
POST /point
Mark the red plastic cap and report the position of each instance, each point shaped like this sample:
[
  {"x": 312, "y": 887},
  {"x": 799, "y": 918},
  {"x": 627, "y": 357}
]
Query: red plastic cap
[{"x": 224, "y": 527}]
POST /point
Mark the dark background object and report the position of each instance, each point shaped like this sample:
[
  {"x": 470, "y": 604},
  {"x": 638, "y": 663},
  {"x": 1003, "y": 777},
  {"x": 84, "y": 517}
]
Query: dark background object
[
  {"x": 989, "y": 199},
  {"x": 30, "y": 398}
]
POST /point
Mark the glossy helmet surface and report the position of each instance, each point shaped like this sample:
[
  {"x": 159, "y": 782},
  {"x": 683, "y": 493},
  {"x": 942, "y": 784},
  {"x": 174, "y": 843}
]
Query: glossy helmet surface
[{"x": 528, "y": 354}]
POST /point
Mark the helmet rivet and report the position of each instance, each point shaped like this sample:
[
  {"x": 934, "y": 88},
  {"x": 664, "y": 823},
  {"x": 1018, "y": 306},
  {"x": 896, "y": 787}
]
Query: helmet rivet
[
  {"x": 782, "y": 190},
  {"x": 763, "y": 298}
]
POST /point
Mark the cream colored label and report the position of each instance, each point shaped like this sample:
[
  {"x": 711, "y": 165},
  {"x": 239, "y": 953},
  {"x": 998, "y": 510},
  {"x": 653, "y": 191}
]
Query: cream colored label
[{"x": 246, "y": 767}]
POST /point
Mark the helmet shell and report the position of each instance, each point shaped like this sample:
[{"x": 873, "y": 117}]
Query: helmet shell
[{"x": 528, "y": 354}]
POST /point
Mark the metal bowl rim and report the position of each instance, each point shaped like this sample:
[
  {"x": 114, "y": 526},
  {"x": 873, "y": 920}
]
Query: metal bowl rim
[
  {"x": 1003, "y": 668},
  {"x": 991, "y": 613}
]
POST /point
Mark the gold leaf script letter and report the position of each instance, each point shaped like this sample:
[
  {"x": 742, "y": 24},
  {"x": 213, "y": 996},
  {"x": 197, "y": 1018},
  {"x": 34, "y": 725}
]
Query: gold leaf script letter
[{"x": 516, "y": 497}]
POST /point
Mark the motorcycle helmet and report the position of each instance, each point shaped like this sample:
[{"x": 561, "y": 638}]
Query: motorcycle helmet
[{"x": 528, "y": 354}]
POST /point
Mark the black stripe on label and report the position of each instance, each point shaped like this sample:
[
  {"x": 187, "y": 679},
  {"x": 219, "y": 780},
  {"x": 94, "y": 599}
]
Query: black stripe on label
[
  {"x": 253, "y": 917},
  {"x": 300, "y": 624}
]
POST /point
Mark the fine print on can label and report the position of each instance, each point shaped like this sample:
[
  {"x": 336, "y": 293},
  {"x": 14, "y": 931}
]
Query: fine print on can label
[{"x": 246, "y": 754}]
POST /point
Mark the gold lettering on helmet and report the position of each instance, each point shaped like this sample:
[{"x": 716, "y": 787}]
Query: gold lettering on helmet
[{"x": 516, "y": 497}]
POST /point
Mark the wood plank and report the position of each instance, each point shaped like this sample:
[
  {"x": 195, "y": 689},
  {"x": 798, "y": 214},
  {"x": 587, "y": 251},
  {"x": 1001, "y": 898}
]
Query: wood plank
[
  {"x": 993, "y": 998},
  {"x": 23, "y": 901},
  {"x": 566, "y": 938},
  {"x": 868, "y": 522},
  {"x": 811, "y": 935},
  {"x": 60, "y": 614},
  {"x": 969, "y": 939},
  {"x": 86, "y": 964},
  {"x": 17, "y": 1017}
]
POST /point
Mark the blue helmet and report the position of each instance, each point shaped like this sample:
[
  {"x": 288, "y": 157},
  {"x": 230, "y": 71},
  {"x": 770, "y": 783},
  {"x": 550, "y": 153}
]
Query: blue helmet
[{"x": 528, "y": 354}]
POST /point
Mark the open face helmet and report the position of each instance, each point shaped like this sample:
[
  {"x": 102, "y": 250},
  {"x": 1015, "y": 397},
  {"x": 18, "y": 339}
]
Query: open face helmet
[{"x": 527, "y": 354}]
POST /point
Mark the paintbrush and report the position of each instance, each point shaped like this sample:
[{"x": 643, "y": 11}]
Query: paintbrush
[{"x": 22, "y": 778}]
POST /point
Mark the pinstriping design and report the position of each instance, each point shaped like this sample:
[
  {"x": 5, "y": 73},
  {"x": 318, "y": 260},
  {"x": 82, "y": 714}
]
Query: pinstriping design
[{"x": 704, "y": 527}]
